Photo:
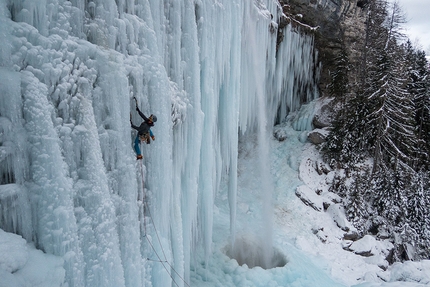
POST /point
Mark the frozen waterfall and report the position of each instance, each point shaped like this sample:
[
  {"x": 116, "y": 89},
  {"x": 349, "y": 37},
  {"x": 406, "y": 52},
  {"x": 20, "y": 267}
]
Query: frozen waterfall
[{"x": 212, "y": 73}]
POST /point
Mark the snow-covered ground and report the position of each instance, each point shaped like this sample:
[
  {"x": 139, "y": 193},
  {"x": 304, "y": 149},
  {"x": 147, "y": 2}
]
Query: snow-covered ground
[{"x": 310, "y": 241}]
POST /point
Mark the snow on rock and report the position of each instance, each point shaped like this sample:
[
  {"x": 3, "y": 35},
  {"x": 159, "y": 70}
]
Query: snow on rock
[
  {"x": 407, "y": 274},
  {"x": 370, "y": 246},
  {"x": 411, "y": 272},
  {"x": 279, "y": 134},
  {"x": 316, "y": 176},
  {"x": 314, "y": 172},
  {"x": 332, "y": 197},
  {"x": 308, "y": 173},
  {"x": 337, "y": 212},
  {"x": 323, "y": 113},
  {"x": 309, "y": 197},
  {"x": 365, "y": 246}
]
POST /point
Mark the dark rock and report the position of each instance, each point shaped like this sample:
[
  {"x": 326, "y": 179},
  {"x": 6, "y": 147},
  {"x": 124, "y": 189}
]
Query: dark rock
[
  {"x": 280, "y": 135},
  {"x": 316, "y": 137},
  {"x": 326, "y": 205},
  {"x": 362, "y": 3},
  {"x": 323, "y": 118},
  {"x": 351, "y": 235},
  {"x": 322, "y": 168}
]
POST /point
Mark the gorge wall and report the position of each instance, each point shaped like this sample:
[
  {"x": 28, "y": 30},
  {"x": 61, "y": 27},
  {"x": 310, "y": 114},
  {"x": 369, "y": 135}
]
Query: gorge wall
[{"x": 340, "y": 25}]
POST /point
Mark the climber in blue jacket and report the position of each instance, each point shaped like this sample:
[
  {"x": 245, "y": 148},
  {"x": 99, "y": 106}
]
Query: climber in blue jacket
[{"x": 143, "y": 131}]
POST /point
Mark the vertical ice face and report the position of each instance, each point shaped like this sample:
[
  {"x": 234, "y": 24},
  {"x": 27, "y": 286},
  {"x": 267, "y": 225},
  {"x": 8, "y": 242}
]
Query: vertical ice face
[
  {"x": 49, "y": 186},
  {"x": 15, "y": 212},
  {"x": 210, "y": 72}
]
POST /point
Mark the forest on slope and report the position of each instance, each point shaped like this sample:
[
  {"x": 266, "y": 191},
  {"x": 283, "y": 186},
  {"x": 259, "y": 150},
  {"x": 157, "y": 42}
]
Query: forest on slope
[{"x": 380, "y": 136}]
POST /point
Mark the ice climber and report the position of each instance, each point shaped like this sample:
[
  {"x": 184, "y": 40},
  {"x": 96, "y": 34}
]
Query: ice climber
[{"x": 143, "y": 131}]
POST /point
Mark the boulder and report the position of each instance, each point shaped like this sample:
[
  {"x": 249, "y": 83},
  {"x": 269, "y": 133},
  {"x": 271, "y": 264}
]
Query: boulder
[
  {"x": 337, "y": 212},
  {"x": 364, "y": 246},
  {"x": 370, "y": 246},
  {"x": 323, "y": 117},
  {"x": 351, "y": 235},
  {"x": 317, "y": 136},
  {"x": 280, "y": 134}
]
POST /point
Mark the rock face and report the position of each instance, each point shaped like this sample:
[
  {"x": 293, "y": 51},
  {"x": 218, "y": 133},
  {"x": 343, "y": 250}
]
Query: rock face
[{"x": 341, "y": 25}]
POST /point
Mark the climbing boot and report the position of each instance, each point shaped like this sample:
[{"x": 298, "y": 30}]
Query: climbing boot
[{"x": 139, "y": 156}]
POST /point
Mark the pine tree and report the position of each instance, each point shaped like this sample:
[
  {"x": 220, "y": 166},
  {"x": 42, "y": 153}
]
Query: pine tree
[
  {"x": 346, "y": 144},
  {"x": 389, "y": 121},
  {"x": 392, "y": 116},
  {"x": 417, "y": 201},
  {"x": 356, "y": 205},
  {"x": 386, "y": 118},
  {"x": 418, "y": 204},
  {"x": 418, "y": 87},
  {"x": 339, "y": 84},
  {"x": 390, "y": 200}
]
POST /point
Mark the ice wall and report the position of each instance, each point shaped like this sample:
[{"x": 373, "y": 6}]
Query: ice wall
[{"x": 209, "y": 70}]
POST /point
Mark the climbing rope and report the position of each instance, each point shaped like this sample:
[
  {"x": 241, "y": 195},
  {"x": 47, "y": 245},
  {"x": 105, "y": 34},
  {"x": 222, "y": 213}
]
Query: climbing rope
[
  {"x": 143, "y": 196},
  {"x": 165, "y": 261}
]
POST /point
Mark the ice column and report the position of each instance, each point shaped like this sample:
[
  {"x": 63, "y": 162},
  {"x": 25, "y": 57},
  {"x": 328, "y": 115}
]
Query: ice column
[
  {"x": 15, "y": 212},
  {"x": 274, "y": 81},
  {"x": 258, "y": 52},
  {"x": 189, "y": 166},
  {"x": 219, "y": 38},
  {"x": 50, "y": 187}
]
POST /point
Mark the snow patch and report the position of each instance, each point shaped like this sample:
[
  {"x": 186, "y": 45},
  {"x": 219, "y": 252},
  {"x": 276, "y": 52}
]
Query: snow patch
[
  {"x": 23, "y": 265},
  {"x": 13, "y": 250}
]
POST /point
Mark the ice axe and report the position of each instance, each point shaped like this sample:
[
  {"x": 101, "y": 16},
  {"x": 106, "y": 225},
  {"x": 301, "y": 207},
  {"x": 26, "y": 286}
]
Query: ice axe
[{"x": 135, "y": 100}]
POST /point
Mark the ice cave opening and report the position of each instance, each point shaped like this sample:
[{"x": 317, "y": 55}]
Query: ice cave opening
[{"x": 250, "y": 251}]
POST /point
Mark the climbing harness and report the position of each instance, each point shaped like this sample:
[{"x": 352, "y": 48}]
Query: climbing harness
[{"x": 144, "y": 138}]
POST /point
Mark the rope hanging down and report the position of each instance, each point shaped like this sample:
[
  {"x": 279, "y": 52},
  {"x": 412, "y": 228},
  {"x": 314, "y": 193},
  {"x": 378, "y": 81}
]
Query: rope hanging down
[
  {"x": 165, "y": 261},
  {"x": 143, "y": 196}
]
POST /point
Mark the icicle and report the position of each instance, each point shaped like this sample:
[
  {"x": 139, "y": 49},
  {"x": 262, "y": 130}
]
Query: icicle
[
  {"x": 15, "y": 213},
  {"x": 33, "y": 12}
]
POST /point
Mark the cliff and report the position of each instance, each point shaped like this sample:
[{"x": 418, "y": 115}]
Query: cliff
[{"x": 340, "y": 25}]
